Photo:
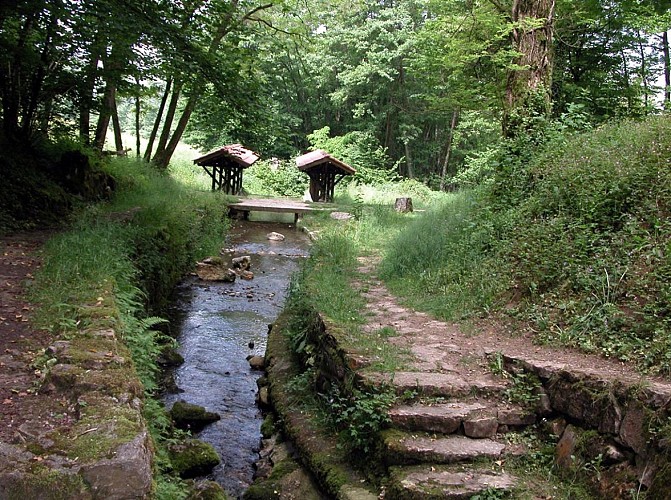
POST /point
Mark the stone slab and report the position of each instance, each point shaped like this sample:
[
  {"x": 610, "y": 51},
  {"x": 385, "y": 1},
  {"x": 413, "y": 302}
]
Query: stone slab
[
  {"x": 444, "y": 418},
  {"x": 445, "y": 450},
  {"x": 435, "y": 482},
  {"x": 435, "y": 384}
]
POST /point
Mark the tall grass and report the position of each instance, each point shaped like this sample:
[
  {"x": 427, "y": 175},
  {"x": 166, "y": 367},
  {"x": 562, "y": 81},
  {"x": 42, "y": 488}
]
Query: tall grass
[
  {"x": 120, "y": 261},
  {"x": 574, "y": 241},
  {"x": 440, "y": 262}
]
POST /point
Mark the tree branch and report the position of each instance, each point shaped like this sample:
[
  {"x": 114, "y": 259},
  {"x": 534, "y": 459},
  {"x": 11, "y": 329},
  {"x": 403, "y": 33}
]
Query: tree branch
[{"x": 255, "y": 10}]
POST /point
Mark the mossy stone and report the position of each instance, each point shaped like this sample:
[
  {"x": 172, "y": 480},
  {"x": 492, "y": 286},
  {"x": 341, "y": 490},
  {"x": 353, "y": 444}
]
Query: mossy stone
[
  {"x": 193, "y": 458},
  {"x": 207, "y": 490},
  {"x": 268, "y": 426},
  {"x": 191, "y": 417}
]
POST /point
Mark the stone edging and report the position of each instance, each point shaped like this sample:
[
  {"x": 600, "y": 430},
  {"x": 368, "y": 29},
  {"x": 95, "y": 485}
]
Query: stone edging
[{"x": 100, "y": 446}]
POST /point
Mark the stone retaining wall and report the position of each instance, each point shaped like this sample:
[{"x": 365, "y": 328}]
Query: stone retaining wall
[{"x": 93, "y": 442}]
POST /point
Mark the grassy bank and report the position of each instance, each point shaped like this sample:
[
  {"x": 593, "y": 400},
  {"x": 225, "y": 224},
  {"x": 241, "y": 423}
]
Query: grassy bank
[
  {"x": 118, "y": 264},
  {"x": 573, "y": 244}
]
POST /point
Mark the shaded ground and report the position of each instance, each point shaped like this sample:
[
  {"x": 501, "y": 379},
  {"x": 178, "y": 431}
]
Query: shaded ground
[{"x": 19, "y": 340}]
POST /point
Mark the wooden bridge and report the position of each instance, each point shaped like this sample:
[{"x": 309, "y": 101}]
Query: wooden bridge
[{"x": 268, "y": 205}]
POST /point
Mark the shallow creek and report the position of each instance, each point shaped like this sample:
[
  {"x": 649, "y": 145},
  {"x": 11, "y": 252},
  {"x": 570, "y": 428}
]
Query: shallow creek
[{"x": 220, "y": 324}]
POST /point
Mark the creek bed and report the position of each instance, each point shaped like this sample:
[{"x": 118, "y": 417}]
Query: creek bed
[{"x": 219, "y": 325}]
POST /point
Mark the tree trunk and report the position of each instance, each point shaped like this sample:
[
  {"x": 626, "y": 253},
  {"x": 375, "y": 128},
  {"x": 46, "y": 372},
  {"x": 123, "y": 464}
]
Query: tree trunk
[
  {"x": 157, "y": 120},
  {"x": 137, "y": 121},
  {"x": 528, "y": 89},
  {"x": 118, "y": 140},
  {"x": 162, "y": 159},
  {"x": 167, "y": 124},
  {"x": 86, "y": 94},
  {"x": 109, "y": 101},
  {"x": 11, "y": 81},
  {"x": 163, "y": 155},
  {"x": 27, "y": 120},
  {"x": 667, "y": 70},
  {"x": 448, "y": 153},
  {"x": 644, "y": 71},
  {"x": 408, "y": 160}
]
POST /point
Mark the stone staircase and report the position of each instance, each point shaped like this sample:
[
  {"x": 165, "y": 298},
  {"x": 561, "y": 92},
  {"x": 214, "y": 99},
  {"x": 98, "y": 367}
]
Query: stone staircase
[{"x": 449, "y": 443}]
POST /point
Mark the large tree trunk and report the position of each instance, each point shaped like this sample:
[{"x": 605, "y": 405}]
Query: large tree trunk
[
  {"x": 167, "y": 124},
  {"x": 157, "y": 120},
  {"x": 528, "y": 89},
  {"x": 448, "y": 153}
]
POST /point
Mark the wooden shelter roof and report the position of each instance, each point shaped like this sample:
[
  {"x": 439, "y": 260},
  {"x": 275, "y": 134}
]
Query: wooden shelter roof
[
  {"x": 319, "y": 156},
  {"x": 235, "y": 152}
]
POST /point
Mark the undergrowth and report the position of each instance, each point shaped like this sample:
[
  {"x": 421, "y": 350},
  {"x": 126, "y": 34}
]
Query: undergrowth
[{"x": 573, "y": 240}]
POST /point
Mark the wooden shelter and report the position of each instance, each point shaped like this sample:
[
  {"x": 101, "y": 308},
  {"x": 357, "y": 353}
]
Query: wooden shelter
[
  {"x": 325, "y": 173},
  {"x": 225, "y": 166}
]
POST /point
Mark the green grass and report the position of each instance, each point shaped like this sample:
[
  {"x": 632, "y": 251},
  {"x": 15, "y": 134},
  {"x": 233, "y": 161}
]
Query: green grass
[
  {"x": 119, "y": 262},
  {"x": 440, "y": 262},
  {"x": 574, "y": 242}
]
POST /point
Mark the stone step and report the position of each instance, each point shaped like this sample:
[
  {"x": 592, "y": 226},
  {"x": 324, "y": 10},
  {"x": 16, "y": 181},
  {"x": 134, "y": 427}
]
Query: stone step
[
  {"x": 445, "y": 482},
  {"x": 431, "y": 384},
  {"x": 403, "y": 448},
  {"x": 473, "y": 419}
]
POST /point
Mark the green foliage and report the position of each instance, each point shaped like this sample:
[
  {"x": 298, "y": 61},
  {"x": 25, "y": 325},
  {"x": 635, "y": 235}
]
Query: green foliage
[
  {"x": 270, "y": 178},
  {"x": 359, "y": 416},
  {"x": 359, "y": 150}
]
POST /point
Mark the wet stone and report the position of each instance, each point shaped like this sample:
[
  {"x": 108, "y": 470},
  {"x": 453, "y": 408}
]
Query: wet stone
[{"x": 189, "y": 416}]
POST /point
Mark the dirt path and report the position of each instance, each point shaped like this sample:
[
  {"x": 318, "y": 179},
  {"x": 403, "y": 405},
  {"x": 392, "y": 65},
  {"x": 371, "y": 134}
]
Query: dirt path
[
  {"x": 19, "y": 340},
  {"x": 443, "y": 347}
]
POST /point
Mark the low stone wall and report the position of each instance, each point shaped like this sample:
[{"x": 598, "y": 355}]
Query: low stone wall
[
  {"x": 91, "y": 442},
  {"x": 318, "y": 449},
  {"x": 623, "y": 426}
]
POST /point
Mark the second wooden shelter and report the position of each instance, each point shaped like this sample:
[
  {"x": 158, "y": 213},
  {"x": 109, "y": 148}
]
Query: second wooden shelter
[
  {"x": 225, "y": 166},
  {"x": 325, "y": 173}
]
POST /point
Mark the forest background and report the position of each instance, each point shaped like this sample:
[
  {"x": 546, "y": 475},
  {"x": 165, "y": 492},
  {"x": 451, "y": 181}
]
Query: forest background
[{"x": 420, "y": 89}]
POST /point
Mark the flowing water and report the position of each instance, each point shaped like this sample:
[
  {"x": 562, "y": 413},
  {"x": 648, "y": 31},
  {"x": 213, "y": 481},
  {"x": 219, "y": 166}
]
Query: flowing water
[{"x": 220, "y": 324}]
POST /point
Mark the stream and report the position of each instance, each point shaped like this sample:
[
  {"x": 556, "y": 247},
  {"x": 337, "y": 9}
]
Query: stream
[{"x": 219, "y": 325}]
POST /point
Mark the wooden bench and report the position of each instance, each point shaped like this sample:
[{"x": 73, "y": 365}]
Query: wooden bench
[{"x": 275, "y": 206}]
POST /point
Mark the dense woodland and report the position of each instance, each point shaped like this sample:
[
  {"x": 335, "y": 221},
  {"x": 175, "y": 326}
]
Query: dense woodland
[{"x": 424, "y": 89}]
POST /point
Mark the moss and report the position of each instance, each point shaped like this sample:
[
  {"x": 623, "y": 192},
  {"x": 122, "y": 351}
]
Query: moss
[
  {"x": 104, "y": 426},
  {"x": 193, "y": 458},
  {"x": 268, "y": 426},
  {"x": 44, "y": 482},
  {"x": 207, "y": 490},
  {"x": 270, "y": 488}
]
